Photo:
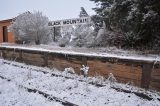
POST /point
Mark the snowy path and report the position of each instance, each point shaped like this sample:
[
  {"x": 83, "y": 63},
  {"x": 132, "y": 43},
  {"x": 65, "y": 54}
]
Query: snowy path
[{"x": 71, "y": 90}]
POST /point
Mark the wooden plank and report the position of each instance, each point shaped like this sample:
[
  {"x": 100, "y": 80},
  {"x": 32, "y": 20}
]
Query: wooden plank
[
  {"x": 39, "y": 63},
  {"x": 61, "y": 64},
  {"x": 155, "y": 78},
  {"x": 30, "y": 55},
  {"x": 10, "y": 55},
  {"x": 128, "y": 80},
  {"x": 155, "y": 85},
  {"x": 97, "y": 67},
  {"x": 156, "y": 72},
  {"x": 34, "y": 59},
  {"x": 116, "y": 66}
]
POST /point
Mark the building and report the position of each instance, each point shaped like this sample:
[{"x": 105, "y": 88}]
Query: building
[{"x": 5, "y": 34}]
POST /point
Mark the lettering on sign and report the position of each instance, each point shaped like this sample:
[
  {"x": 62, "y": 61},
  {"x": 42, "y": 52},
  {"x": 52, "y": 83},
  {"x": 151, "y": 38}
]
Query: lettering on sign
[{"x": 75, "y": 21}]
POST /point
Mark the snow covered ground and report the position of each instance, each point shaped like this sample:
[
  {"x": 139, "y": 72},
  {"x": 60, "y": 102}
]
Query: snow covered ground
[
  {"x": 13, "y": 95},
  {"x": 16, "y": 77}
]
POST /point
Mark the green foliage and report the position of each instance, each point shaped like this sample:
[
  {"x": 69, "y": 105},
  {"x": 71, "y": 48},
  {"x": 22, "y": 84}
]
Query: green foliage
[{"x": 138, "y": 20}]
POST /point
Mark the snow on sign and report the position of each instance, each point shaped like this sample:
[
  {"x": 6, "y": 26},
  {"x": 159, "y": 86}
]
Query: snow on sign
[{"x": 75, "y": 21}]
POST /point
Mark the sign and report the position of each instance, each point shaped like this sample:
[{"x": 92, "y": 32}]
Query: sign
[{"x": 75, "y": 21}]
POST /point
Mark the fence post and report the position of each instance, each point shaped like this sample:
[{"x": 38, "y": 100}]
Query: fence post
[
  {"x": 84, "y": 61},
  {"x": 3, "y": 54},
  {"x": 146, "y": 75},
  {"x": 20, "y": 56},
  {"x": 45, "y": 59}
]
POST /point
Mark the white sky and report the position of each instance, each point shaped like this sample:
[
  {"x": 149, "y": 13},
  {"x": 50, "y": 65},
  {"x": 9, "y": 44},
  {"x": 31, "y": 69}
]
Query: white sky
[{"x": 54, "y": 9}]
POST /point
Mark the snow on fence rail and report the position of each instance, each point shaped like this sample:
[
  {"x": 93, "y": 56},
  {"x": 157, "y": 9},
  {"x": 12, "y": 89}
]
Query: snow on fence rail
[{"x": 142, "y": 72}]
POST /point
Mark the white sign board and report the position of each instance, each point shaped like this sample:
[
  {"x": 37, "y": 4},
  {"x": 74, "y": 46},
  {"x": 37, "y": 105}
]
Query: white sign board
[{"x": 75, "y": 21}]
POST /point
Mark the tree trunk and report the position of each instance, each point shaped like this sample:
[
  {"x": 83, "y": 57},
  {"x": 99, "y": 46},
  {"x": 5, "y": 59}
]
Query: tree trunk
[{"x": 37, "y": 42}]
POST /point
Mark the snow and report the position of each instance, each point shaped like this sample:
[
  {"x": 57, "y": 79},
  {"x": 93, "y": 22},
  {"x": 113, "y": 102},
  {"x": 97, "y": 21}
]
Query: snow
[
  {"x": 12, "y": 94},
  {"x": 26, "y": 25},
  {"x": 69, "y": 70},
  {"x": 86, "y": 52},
  {"x": 69, "y": 89},
  {"x": 149, "y": 15},
  {"x": 84, "y": 69}
]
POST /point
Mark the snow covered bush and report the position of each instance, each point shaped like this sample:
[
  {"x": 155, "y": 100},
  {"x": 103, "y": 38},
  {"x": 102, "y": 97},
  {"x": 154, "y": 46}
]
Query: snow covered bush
[
  {"x": 63, "y": 41},
  {"x": 31, "y": 27},
  {"x": 84, "y": 70},
  {"x": 69, "y": 70},
  {"x": 111, "y": 78},
  {"x": 77, "y": 36},
  {"x": 102, "y": 36},
  {"x": 98, "y": 80},
  {"x": 83, "y": 36}
]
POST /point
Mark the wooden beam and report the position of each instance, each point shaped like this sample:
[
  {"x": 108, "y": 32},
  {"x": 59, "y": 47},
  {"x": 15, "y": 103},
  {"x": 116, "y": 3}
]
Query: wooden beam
[
  {"x": 146, "y": 75},
  {"x": 84, "y": 61},
  {"x": 45, "y": 59}
]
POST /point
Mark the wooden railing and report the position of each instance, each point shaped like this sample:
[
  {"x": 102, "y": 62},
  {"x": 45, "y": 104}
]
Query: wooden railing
[{"x": 141, "y": 73}]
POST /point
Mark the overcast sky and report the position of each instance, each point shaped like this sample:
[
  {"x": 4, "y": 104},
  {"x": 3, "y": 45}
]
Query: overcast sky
[{"x": 54, "y": 9}]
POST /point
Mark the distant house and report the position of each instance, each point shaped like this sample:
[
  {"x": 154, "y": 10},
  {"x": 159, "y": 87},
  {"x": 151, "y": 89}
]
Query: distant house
[{"x": 5, "y": 34}]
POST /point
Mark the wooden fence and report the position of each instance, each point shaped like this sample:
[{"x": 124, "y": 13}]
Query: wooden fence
[{"x": 145, "y": 74}]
